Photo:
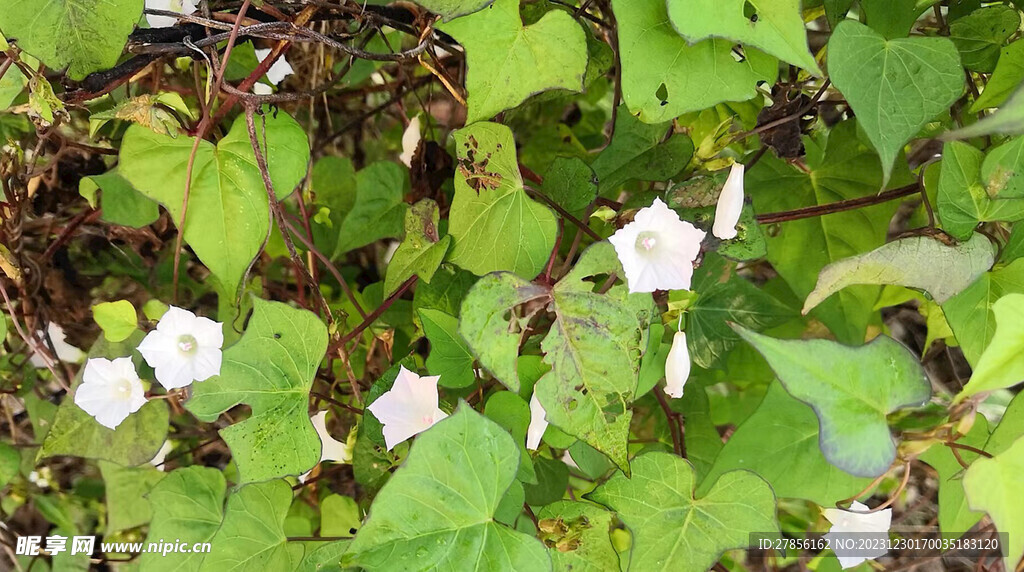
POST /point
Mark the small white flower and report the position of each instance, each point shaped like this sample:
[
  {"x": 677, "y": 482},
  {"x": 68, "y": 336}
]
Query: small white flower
[
  {"x": 40, "y": 478},
  {"x": 183, "y": 348},
  {"x": 161, "y": 455},
  {"x": 110, "y": 390},
  {"x": 331, "y": 449},
  {"x": 730, "y": 204},
  {"x": 677, "y": 366},
  {"x": 408, "y": 408},
  {"x": 185, "y": 7},
  {"x": 657, "y": 249},
  {"x": 410, "y": 141},
  {"x": 277, "y": 72},
  {"x": 860, "y": 524},
  {"x": 538, "y": 424},
  {"x": 65, "y": 351}
]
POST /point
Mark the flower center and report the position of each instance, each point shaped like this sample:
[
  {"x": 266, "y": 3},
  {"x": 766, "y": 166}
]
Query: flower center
[
  {"x": 123, "y": 388},
  {"x": 187, "y": 344},
  {"x": 646, "y": 241}
]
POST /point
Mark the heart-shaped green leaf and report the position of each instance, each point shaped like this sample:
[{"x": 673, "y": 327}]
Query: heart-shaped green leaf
[
  {"x": 270, "y": 369},
  {"x": 663, "y": 76},
  {"x": 187, "y": 504},
  {"x": 672, "y": 528},
  {"x": 963, "y": 199},
  {"x": 851, "y": 391},
  {"x": 83, "y": 36},
  {"x": 894, "y": 86},
  {"x": 996, "y": 487},
  {"x": 1002, "y": 364},
  {"x": 774, "y": 26},
  {"x": 779, "y": 442},
  {"x": 228, "y": 215},
  {"x": 449, "y": 9},
  {"x": 509, "y": 62},
  {"x": 437, "y": 510},
  {"x": 969, "y": 313},
  {"x": 494, "y": 224}
]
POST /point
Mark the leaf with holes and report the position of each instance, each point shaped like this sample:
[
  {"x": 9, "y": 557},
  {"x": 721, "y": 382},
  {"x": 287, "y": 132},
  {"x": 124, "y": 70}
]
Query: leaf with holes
[
  {"x": 495, "y": 226},
  {"x": 270, "y": 369},
  {"x": 774, "y": 26}
]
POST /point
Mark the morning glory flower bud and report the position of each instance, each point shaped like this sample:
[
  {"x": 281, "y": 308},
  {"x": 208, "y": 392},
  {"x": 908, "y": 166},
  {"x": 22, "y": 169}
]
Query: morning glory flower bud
[
  {"x": 730, "y": 204},
  {"x": 677, "y": 366},
  {"x": 538, "y": 424}
]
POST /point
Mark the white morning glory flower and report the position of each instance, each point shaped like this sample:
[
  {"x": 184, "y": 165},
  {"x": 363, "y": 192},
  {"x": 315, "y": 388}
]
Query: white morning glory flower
[
  {"x": 410, "y": 141},
  {"x": 161, "y": 455},
  {"x": 183, "y": 348},
  {"x": 65, "y": 351},
  {"x": 277, "y": 72},
  {"x": 538, "y": 424},
  {"x": 861, "y": 525},
  {"x": 185, "y": 7},
  {"x": 677, "y": 366},
  {"x": 730, "y": 204},
  {"x": 408, "y": 408},
  {"x": 657, "y": 249},
  {"x": 331, "y": 449},
  {"x": 110, "y": 390}
]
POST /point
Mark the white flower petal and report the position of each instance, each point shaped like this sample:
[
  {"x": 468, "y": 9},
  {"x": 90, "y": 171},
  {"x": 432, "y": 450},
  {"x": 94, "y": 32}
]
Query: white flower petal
[
  {"x": 161, "y": 455},
  {"x": 183, "y": 348},
  {"x": 331, "y": 449},
  {"x": 260, "y": 88},
  {"x": 65, "y": 351},
  {"x": 859, "y": 523},
  {"x": 730, "y": 204},
  {"x": 410, "y": 141},
  {"x": 179, "y": 6},
  {"x": 277, "y": 72},
  {"x": 677, "y": 366},
  {"x": 538, "y": 423},
  {"x": 408, "y": 408},
  {"x": 110, "y": 390},
  {"x": 657, "y": 249}
]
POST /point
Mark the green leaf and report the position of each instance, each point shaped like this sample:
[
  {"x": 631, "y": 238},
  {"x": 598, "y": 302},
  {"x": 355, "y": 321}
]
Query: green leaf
[
  {"x": 979, "y": 35},
  {"x": 963, "y": 201},
  {"x": 774, "y": 26},
  {"x": 491, "y": 327},
  {"x": 672, "y": 528},
  {"x": 779, "y": 442},
  {"x": 228, "y": 213},
  {"x": 509, "y": 62},
  {"x": 449, "y": 356},
  {"x": 1009, "y": 73},
  {"x": 851, "y": 390},
  {"x": 10, "y": 460},
  {"x": 11, "y": 86},
  {"x": 552, "y": 480},
  {"x": 340, "y": 516},
  {"x": 135, "y": 441},
  {"x": 703, "y": 443},
  {"x": 494, "y": 224},
  {"x": 894, "y": 86},
  {"x": 437, "y": 511},
  {"x": 1007, "y": 120},
  {"x": 846, "y": 169},
  {"x": 118, "y": 320},
  {"x": 1003, "y": 170},
  {"x": 708, "y": 335},
  {"x": 955, "y": 517},
  {"x": 969, "y": 313},
  {"x": 446, "y": 290},
  {"x": 994, "y": 486},
  {"x": 655, "y": 58},
  {"x": 921, "y": 262},
  {"x": 892, "y": 18},
  {"x": 379, "y": 208},
  {"x": 594, "y": 349},
  {"x": 252, "y": 537},
  {"x": 126, "y": 490},
  {"x": 121, "y": 203},
  {"x": 421, "y": 251},
  {"x": 84, "y": 37},
  {"x": 449, "y": 9},
  {"x": 640, "y": 151},
  {"x": 577, "y": 537},
  {"x": 513, "y": 413},
  {"x": 270, "y": 369},
  {"x": 571, "y": 183},
  {"x": 1002, "y": 363},
  {"x": 187, "y": 504}
]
